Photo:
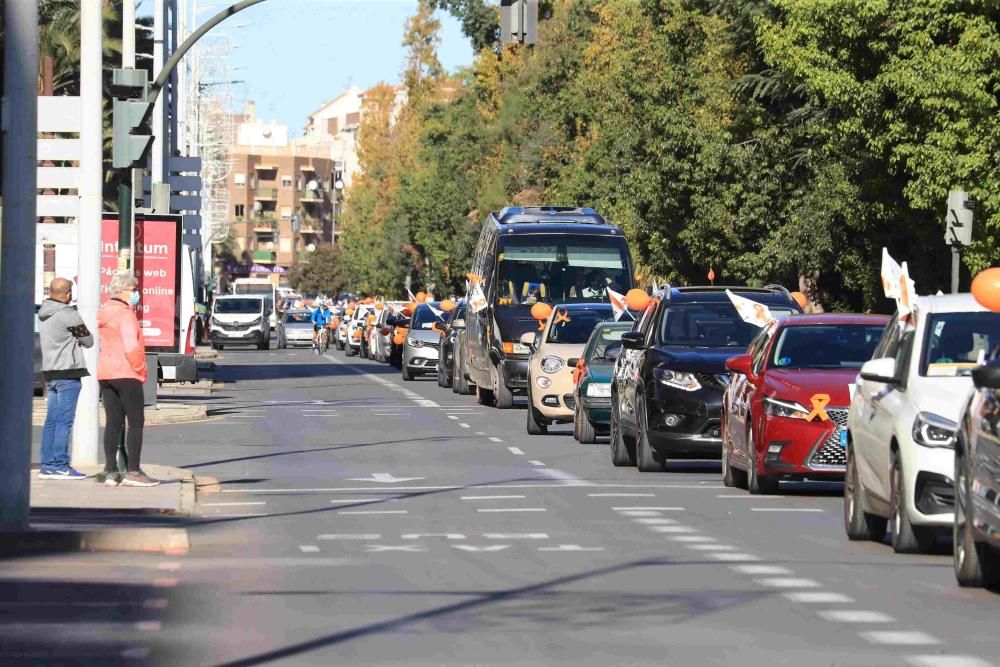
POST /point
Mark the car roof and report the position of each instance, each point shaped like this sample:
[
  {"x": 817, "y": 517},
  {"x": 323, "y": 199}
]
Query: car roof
[
  {"x": 596, "y": 305},
  {"x": 834, "y": 318},
  {"x": 771, "y": 295},
  {"x": 949, "y": 303}
]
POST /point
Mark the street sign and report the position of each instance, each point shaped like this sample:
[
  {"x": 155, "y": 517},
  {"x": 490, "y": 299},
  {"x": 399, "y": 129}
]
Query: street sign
[{"x": 958, "y": 220}]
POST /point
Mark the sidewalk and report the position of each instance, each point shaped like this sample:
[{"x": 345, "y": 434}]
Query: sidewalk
[
  {"x": 82, "y": 515},
  {"x": 164, "y": 413}
]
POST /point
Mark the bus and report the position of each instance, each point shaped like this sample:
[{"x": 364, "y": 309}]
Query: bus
[{"x": 526, "y": 255}]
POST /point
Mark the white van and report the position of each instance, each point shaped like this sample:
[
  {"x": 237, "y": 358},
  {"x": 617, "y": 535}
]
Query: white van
[
  {"x": 240, "y": 320},
  {"x": 261, "y": 287}
]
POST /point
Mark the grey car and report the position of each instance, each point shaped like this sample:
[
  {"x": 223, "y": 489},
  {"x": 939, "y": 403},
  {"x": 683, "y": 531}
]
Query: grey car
[
  {"x": 420, "y": 351},
  {"x": 295, "y": 328}
]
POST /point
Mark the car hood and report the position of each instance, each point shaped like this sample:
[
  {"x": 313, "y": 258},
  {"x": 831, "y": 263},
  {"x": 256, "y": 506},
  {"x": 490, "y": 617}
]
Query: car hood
[
  {"x": 801, "y": 385},
  {"x": 943, "y": 396},
  {"x": 699, "y": 360},
  {"x": 298, "y": 325}
]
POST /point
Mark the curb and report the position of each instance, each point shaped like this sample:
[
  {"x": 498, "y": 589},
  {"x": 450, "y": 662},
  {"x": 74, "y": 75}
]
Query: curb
[{"x": 172, "y": 541}]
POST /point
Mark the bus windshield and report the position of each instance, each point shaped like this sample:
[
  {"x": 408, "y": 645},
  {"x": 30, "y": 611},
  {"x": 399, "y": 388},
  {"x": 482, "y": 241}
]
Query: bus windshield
[{"x": 561, "y": 268}]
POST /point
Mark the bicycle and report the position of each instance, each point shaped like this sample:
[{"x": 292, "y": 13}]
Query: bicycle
[{"x": 322, "y": 341}]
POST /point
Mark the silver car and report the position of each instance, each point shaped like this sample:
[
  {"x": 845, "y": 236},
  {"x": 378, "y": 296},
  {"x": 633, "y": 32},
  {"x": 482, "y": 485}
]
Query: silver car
[
  {"x": 420, "y": 351},
  {"x": 295, "y": 328}
]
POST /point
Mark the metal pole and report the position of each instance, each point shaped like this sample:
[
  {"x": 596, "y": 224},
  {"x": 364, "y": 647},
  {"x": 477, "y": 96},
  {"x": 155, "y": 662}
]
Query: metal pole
[
  {"x": 86, "y": 428},
  {"x": 956, "y": 263},
  {"x": 159, "y": 108},
  {"x": 17, "y": 256},
  {"x": 128, "y": 34}
]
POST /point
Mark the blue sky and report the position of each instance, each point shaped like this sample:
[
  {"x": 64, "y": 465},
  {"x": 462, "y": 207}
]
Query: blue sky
[{"x": 296, "y": 54}]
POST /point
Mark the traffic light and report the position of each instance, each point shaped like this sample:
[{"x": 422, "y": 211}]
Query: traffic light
[{"x": 130, "y": 138}]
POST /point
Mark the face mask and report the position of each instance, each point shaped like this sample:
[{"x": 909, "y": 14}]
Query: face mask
[{"x": 133, "y": 299}]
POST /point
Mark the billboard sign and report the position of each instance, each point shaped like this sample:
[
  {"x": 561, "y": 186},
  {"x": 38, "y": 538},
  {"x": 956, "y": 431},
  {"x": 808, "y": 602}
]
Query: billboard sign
[{"x": 157, "y": 263}]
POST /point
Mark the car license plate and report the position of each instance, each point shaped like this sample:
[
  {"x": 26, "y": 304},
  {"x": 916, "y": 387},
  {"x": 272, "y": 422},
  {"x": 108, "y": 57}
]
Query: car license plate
[{"x": 843, "y": 438}]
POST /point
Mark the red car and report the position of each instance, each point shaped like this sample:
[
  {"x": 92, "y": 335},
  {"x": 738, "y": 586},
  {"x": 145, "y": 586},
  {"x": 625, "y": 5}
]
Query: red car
[{"x": 784, "y": 413}]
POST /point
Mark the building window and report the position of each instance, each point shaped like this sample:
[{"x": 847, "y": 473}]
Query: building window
[
  {"x": 240, "y": 179},
  {"x": 239, "y": 211},
  {"x": 286, "y": 181}
]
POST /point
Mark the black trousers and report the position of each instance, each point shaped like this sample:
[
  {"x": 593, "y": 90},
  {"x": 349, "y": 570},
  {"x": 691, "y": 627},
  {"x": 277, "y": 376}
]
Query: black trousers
[{"x": 123, "y": 400}]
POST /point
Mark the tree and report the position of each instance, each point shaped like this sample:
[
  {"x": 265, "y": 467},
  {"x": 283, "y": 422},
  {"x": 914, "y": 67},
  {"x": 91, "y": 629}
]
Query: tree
[{"x": 323, "y": 273}]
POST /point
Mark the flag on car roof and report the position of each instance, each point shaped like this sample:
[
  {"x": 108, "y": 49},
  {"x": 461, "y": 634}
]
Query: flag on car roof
[
  {"x": 749, "y": 310},
  {"x": 617, "y": 303}
]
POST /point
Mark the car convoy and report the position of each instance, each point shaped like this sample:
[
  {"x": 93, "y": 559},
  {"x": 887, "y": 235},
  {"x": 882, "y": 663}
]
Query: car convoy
[{"x": 904, "y": 409}]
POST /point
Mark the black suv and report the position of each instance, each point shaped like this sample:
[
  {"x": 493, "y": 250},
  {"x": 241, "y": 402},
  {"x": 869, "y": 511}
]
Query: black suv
[{"x": 666, "y": 392}]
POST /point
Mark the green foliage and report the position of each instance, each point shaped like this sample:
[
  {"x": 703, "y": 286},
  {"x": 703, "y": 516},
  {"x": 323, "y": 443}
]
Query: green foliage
[
  {"x": 770, "y": 140},
  {"x": 323, "y": 273}
]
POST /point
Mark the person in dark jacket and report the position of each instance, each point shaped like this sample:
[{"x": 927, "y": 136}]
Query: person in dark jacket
[{"x": 62, "y": 334}]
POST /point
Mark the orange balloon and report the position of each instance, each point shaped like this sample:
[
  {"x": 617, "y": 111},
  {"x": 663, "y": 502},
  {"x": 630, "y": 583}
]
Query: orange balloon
[
  {"x": 379, "y": 306},
  {"x": 986, "y": 289},
  {"x": 448, "y": 305},
  {"x": 636, "y": 299},
  {"x": 408, "y": 308},
  {"x": 349, "y": 311},
  {"x": 399, "y": 339},
  {"x": 421, "y": 297},
  {"x": 800, "y": 299},
  {"x": 371, "y": 319},
  {"x": 541, "y": 311}
]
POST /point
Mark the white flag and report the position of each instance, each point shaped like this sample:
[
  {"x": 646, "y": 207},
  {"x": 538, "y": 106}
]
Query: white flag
[
  {"x": 477, "y": 300},
  {"x": 413, "y": 299},
  {"x": 907, "y": 295},
  {"x": 752, "y": 312},
  {"x": 437, "y": 313},
  {"x": 617, "y": 304},
  {"x": 892, "y": 274}
]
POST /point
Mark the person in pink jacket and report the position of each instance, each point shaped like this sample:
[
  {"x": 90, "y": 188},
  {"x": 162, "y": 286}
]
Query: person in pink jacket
[{"x": 121, "y": 371}]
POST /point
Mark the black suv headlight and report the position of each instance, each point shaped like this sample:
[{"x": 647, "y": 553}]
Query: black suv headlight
[{"x": 677, "y": 379}]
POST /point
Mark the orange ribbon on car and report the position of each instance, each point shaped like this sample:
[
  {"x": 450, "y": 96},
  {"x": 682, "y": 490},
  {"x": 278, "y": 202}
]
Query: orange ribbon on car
[
  {"x": 562, "y": 316},
  {"x": 819, "y": 403}
]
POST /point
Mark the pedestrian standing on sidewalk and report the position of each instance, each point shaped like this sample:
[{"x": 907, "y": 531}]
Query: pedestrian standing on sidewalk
[
  {"x": 122, "y": 372},
  {"x": 62, "y": 333}
]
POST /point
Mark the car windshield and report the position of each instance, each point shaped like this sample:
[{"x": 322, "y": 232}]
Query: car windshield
[
  {"x": 606, "y": 335},
  {"x": 825, "y": 346},
  {"x": 957, "y": 341},
  {"x": 713, "y": 324},
  {"x": 561, "y": 268},
  {"x": 424, "y": 317},
  {"x": 238, "y": 306},
  {"x": 298, "y": 317},
  {"x": 574, "y": 326}
]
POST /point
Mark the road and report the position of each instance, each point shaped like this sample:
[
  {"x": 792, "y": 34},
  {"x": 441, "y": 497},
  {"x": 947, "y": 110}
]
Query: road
[{"x": 363, "y": 520}]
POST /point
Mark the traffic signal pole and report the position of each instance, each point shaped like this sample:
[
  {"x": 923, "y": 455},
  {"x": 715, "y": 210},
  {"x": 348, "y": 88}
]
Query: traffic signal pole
[{"x": 17, "y": 257}]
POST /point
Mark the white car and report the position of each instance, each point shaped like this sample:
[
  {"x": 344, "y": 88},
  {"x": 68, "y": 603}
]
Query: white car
[
  {"x": 356, "y": 327},
  {"x": 903, "y": 417},
  {"x": 240, "y": 320}
]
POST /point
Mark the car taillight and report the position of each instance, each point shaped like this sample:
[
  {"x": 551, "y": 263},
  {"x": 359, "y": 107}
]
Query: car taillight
[
  {"x": 189, "y": 347},
  {"x": 508, "y": 348},
  {"x": 385, "y": 331}
]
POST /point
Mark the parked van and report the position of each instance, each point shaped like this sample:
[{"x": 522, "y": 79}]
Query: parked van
[
  {"x": 262, "y": 287},
  {"x": 240, "y": 320}
]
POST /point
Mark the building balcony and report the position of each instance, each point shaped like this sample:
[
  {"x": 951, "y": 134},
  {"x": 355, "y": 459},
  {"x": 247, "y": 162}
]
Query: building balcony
[
  {"x": 266, "y": 194},
  {"x": 264, "y": 256},
  {"x": 307, "y": 195}
]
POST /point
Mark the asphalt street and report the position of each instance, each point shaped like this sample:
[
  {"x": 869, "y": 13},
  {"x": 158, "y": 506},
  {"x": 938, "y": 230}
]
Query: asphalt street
[{"x": 363, "y": 520}]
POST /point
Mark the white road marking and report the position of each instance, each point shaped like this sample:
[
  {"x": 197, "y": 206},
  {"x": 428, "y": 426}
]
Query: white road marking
[
  {"x": 515, "y": 450},
  {"x": 452, "y": 417},
  {"x": 536, "y": 463},
  {"x": 639, "y": 513},
  {"x": 355, "y": 500},
  {"x": 621, "y": 495},
  {"x": 391, "y": 414},
  {"x": 516, "y": 536},
  {"x": 370, "y": 512},
  {"x": 258, "y": 502},
  {"x": 376, "y": 548},
  {"x": 463, "y": 424},
  {"x": 385, "y": 478},
  {"x": 788, "y": 582},
  {"x": 308, "y": 548},
  {"x": 426, "y": 403},
  {"x": 490, "y": 497},
  {"x": 711, "y": 547},
  {"x": 672, "y": 529},
  {"x": 900, "y": 637},
  {"x": 349, "y": 536},
  {"x": 655, "y": 522},
  {"x": 690, "y": 538},
  {"x": 732, "y": 557},
  {"x": 570, "y": 547},
  {"x": 447, "y": 536},
  {"x": 488, "y": 547},
  {"x": 495, "y": 439},
  {"x": 819, "y": 597},
  {"x": 480, "y": 433},
  {"x": 947, "y": 661},
  {"x": 648, "y": 509},
  {"x": 855, "y": 616},
  {"x": 760, "y": 569},
  {"x": 512, "y": 509},
  {"x": 785, "y": 509},
  {"x": 744, "y": 496}
]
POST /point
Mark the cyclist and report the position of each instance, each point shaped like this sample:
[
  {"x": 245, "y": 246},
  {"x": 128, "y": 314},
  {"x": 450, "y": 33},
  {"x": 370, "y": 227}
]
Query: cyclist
[{"x": 320, "y": 318}]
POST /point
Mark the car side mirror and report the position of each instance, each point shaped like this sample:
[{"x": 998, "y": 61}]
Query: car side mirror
[
  {"x": 528, "y": 339},
  {"x": 573, "y": 362},
  {"x": 880, "y": 370},
  {"x": 612, "y": 352},
  {"x": 988, "y": 376},
  {"x": 633, "y": 340},
  {"x": 458, "y": 324},
  {"x": 742, "y": 364}
]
